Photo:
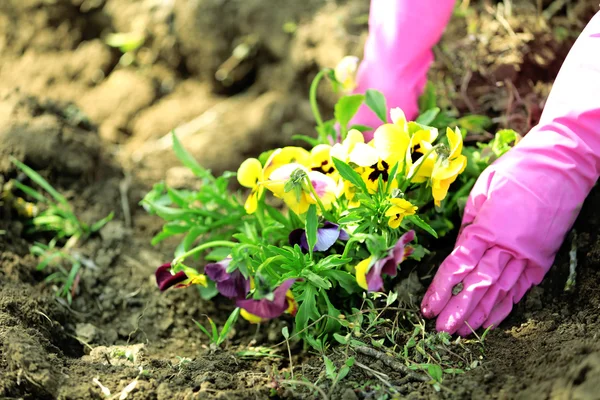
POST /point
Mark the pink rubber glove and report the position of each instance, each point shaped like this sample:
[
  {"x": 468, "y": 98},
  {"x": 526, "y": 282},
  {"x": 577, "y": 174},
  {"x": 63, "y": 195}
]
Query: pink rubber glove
[
  {"x": 523, "y": 205},
  {"x": 398, "y": 54}
]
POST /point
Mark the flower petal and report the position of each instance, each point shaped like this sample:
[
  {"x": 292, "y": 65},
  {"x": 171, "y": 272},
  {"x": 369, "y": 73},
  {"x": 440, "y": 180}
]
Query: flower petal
[
  {"x": 298, "y": 237},
  {"x": 363, "y": 155},
  {"x": 391, "y": 143},
  {"x": 218, "y": 271},
  {"x": 236, "y": 287},
  {"x": 165, "y": 279},
  {"x": 265, "y": 308},
  {"x": 373, "y": 278},
  {"x": 249, "y": 173},
  {"x": 345, "y": 72},
  {"x": 399, "y": 248},
  {"x": 326, "y": 237},
  {"x": 253, "y": 319},
  {"x": 455, "y": 141},
  {"x": 361, "y": 272}
]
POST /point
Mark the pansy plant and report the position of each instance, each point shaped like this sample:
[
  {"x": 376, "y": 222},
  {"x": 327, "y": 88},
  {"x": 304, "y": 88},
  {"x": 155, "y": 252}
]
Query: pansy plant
[{"x": 313, "y": 228}]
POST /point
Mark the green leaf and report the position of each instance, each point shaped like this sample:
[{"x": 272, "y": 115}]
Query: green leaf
[
  {"x": 376, "y": 102},
  {"x": 330, "y": 369},
  {"x": 316, "y": 279},
  {"x": 344, "y": 279},
  {"x": 361, "y": 128},
  {"x": 435, "y": 371},
  {"x": 71, "y": 278},
  {"x": 391, "y": 177},
  {"x": 30, "y": 192},
  {"x": 37, "y": 178},
  {"x": 350, "y": 218},
  {"x": 99, "y": 224},
  {"x": 278, "y": 216},
  {"x": 187, "y": 159},
  {"x": 307, "y": 309},
  {"x": 503, "y": 141},
  {"x": 208, "y": 292},
  {"x": 343, "y": 373},
  {"x": 349, "y": 174},
  {"x": 427, "y": 101},
  {"x": 285, "y": 332},
  {"x": 170, "y": 213},
  {"x": 341, "y": 339},
  {"x": 428, "y": 116},
  {"x": 177, "y": 197},
  {"x": 310, "y": 140},
  {"x": 125, "y": 41},
  {"x": 392, "y": 297},
  {"x": 233, "y": 317},
  {"x": 312, "y": 222},
  {"x": 346, "y": 108},
  {"x": 415, "y": 219},
  {"x": 332, "y": 325},
  {"x": 202, "y": 328},
  {"x": 474, "y": 123}
]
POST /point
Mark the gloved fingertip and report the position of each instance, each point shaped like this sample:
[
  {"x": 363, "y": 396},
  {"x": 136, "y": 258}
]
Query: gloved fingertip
[
  {"x": 447, "y": 324},
  {"x": 465, "y": 331},
  {"x": 499, "y": 313},
  {"x": 432, "y": 303}
]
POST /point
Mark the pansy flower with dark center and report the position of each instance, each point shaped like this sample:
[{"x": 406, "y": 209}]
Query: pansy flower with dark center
[
  {"x": 232, "y": 285},
  {"x": 271, "y": 306},
  {"x": 326, "y": 237},
  {"x": 371, "y": 175},
  {"x": 165, "y": 279},
  {"x": 369, "y": 271}
]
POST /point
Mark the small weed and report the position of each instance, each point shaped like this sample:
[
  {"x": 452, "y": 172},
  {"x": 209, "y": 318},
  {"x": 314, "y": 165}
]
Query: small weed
[
  {"x": 53, "y": 214},
  {"x": 217, "y": 338}
]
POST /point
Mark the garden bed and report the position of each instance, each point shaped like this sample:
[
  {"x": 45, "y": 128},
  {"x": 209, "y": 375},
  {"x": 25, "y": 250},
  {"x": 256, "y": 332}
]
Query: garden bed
[{"x": 98, "y": 131}]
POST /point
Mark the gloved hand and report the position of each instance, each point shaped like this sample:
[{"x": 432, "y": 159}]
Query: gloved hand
[
  {"x": 523, "y": 205},
  {"x": 398, "y": 54}
]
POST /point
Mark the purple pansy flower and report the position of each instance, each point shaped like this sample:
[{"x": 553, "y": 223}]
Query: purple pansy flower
[
  {"x": 232, "y": 285},
  {"x": 165, "y": 279},
  {"x": 387, "y": 265},
  {"x": 326, "y": 237},
  {"x": 267, "y": 309}
]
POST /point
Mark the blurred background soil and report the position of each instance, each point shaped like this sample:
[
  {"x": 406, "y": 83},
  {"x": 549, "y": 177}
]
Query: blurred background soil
[{"x": 95, "y": 123}]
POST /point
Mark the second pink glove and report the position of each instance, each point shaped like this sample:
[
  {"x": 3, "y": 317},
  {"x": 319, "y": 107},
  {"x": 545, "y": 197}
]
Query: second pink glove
[{"x": 523, "y": 205}]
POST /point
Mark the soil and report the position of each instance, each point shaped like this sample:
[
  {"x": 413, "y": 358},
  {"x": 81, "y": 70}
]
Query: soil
[{"x": 97, "y": 128}]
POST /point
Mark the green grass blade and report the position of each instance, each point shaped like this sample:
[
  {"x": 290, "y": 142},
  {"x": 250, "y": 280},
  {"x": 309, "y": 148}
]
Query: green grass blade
[
  {"x": 29, "y": 191},
  {"x": 98, "y": 225},
  {"x": 71, "y": 278},
  {"x": 228, "y": 325},
  {"x": 202, "y": 328},
  {"x": 187, "y": 159},
  {"x": 37, "y": 178}
]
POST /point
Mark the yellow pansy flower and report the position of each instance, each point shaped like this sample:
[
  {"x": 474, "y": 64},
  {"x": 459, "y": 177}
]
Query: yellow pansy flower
[
  {"x": 361, "y": 270},
  {"x": 345, "y": 73},
  {"x": 342, "y": 151},
  {"x": 391, "y": 140},
  {"x": 286, "y": 155},
  {"x": 420, "y": 145},
  {"x": 320, "y": 160},
  {"x": 299, "y": 201},
  {"x": 399, "y": 209},
  {"x": 447, "y": 168},
  {"x": 250, "y": 175}
]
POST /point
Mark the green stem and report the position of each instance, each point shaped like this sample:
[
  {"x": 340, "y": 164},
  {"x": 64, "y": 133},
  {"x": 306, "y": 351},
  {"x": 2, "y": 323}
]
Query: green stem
[
  {"x": 202, "y": 247},
  {"x": 347, "y": 248},
  {"x": 425, "y": 157},
  {"x": 313, "y": 96}
]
